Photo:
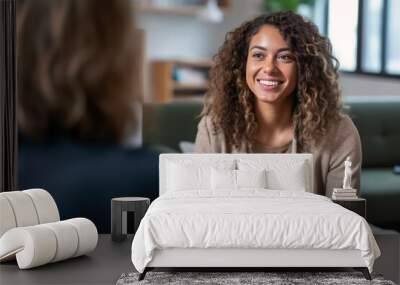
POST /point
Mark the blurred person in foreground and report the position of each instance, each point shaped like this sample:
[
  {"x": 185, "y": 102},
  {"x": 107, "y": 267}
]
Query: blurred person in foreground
[{"x": 76, "y": 95}]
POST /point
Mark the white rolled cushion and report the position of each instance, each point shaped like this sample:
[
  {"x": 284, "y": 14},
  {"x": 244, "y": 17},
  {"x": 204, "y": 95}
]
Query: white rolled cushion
[
  {"x": 281, "y": 174},
  {"x": 87, "y": 235},
  {"x": 67, "y": 240},
  {"x": 23, "y": 208},
  {"x": 37, "y": 245},
  {"x": 45, "y": 205},
  {"x": 33, "y": 246},
  {"x": 251, "y": 178},
  {"x": 223, "y": 179},
  {"x": 7, "y": 218}
]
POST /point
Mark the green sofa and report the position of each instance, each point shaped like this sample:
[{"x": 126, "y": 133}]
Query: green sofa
[{"x": 377, "y": 120}]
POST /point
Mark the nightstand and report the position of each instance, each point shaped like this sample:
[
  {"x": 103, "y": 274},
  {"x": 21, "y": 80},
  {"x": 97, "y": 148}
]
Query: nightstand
[
  {"x": 358, "y": 206},
  {"x": 119, "y": 209}
]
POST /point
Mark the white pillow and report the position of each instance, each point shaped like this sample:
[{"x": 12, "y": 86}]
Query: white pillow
[
  {"x": 188, "y": 175},
  {"x": 281, "y": 174},
  {"x": 226, "y": 179},
  {"x": 223, "y": 179},
  {"x": 251, "y": 179},
  {"x": 293, "y": 179}
]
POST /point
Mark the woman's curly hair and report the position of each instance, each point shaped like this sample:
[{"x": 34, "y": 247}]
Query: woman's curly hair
[
  {"x": 231, "y": 105},
  {"x": 76, "y": 69}
]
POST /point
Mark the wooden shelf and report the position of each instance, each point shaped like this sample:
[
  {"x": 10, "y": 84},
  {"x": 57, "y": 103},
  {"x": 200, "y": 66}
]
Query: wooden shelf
[
  {"x": 169, "y": 10},
  {"x": 177, "y": 9},
  {"x": 165, "y": 74},
  {"x": 200, "y": 63},
  {"x": 190, "y": 87}
]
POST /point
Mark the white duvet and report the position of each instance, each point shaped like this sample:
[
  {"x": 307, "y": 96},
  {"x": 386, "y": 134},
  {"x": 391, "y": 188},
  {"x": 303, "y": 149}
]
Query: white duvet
[{"x": 250, "y": 219}]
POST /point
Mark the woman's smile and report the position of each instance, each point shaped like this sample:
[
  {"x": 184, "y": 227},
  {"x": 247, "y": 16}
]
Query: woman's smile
[{"x": 269, "y": 84}]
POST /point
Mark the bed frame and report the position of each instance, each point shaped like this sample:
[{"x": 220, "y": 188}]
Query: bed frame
[
  {"x": 249, "y": 258},
  {"x": 244, "y": 259}
]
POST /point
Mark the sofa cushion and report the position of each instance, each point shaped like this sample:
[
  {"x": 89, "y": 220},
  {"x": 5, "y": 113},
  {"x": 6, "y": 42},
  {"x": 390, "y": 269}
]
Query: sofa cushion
[
  {"x": 377, "y": 120},
  {"x": 381, "y": 188},
  {"x": 170, "y": 123}
]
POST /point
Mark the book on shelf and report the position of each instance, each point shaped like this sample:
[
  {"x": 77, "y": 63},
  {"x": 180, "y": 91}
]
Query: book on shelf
[
  {"x": 344, "y": 195},
  {"x": 340, "y": 193},
  {"x": 189, "y": 76},
  {"x": 334, "y": 197},
  {"x": 345, "y": 191}
]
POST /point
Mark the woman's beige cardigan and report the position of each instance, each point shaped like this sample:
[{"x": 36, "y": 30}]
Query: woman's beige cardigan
[{"x": 341, "y": 141}]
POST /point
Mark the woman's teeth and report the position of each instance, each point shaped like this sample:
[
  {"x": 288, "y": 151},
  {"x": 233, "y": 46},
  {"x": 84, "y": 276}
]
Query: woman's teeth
[{"x": 269, "y": 82}]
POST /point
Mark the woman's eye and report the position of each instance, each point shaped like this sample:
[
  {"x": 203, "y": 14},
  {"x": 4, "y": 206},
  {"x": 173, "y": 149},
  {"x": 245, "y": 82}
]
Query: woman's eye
[
  {"x": 285, "y": 57},
  {"x": 258, "y": 55}
]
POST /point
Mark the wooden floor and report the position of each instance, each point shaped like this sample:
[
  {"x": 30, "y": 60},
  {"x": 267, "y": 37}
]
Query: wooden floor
[{"x": 111, "y": 259}]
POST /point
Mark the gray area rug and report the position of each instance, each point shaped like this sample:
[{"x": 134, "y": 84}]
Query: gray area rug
[{"x": 273, "y": 278}]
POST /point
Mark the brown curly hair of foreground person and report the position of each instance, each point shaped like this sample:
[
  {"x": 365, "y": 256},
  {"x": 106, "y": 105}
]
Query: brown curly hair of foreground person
[
  {"x": 231, "y": 105},
  {"x": 76, "y": 60}
]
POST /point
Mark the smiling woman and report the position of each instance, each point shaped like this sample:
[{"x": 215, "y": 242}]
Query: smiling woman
[{"x": 274, "y": 88}]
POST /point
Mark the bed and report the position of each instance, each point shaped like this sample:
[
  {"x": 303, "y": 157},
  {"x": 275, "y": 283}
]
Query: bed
[{"x": 245, "y": 211}]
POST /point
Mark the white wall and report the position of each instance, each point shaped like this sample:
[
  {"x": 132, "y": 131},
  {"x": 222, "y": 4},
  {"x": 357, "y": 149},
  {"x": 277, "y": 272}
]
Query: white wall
[
  {"x": 177, "y": 36},
  {"x": 369, "y": 85}
]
